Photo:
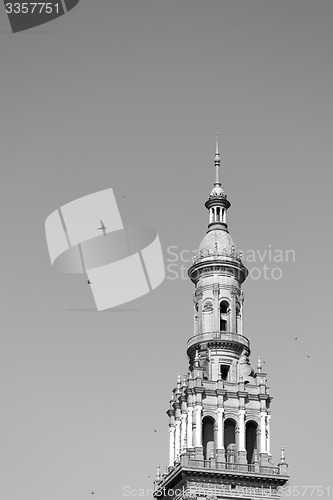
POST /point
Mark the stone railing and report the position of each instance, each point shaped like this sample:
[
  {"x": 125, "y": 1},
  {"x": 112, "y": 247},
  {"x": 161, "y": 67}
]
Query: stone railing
[
  {"x": 224, "y": 336},
  {"x": 227, "y": 466},
  {"x": 218, "y": 253}
]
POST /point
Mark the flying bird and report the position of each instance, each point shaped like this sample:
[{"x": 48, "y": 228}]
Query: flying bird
[
  {"x": 89, "y": 282},
  {"x": 307, "y": 356},
  {"x": 296, "y": 338},
  {"x": 155, "y": 431},
  {"x": 93, "y": 493},
  {"x": 102, "y": 228}
]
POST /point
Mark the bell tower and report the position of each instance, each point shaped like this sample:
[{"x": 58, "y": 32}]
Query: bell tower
[{"x": 219, "y": 415}]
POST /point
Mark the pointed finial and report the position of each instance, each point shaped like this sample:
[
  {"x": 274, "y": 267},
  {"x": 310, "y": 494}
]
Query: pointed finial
[
  {"x": 179, "y": 381},
  {"x": 217, "y": 161},
  {"x": 196, "y": 359},
  {"x": 256, "y": 458},
  {"x": 283, "y": 458},
  {"x": 259, "y": 366},
  {"x": 158, "y": 473},
  {"x": 165, "y": 470}
]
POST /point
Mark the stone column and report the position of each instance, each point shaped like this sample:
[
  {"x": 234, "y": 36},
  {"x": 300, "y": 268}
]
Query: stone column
[
  {"x": 189, "y": 427},
  {"x": 232, "y": 313},
  {"x": 220, "y": 452},
  {"x": 198, "y": 433},
  {"x": 198, "y": 426},
  {"x": 262, "y": 432},
  {"x": 216, "y": 307},
  {"x": 241, "y": 301},
  {"x": 238, "y": 320},
  {"x": 241, "y": 437},
  {"x": 199, "y": 297},
  {"x": 172, "y": 445},
  {"x": 263, "y": 439},
  {"x": 196, "y": 315},
  {"x": 241, "y": 415},
  {"x": 268, "y": 435},
  {"x": 177, "y": 439},
  {"x": 182, "y": 432}
]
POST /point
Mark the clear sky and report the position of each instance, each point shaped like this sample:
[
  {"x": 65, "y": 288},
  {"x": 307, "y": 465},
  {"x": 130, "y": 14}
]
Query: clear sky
[{"x": 128, "y": 94}]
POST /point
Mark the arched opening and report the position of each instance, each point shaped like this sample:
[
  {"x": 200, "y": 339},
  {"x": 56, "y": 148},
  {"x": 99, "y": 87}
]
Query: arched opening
[
  {"x": 230, "y": 440},
  {"x": 208, "y": 424},
  {"x": 224, "y": 310},
  {"x": 251, "y": 440},
  {"x": 224, "y": 307},
  {"x": 218, "y": 218},
  {"x": 224, "y": 370},
  {"x": 229, "y": 432}
]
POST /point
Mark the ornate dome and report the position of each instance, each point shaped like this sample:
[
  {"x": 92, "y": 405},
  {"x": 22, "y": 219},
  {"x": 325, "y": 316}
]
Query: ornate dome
[
  {"x": 217, "y": 236},
  {"x": 216, "y": 191}
]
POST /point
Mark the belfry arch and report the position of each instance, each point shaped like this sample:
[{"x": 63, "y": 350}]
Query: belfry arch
[
  {"x": 251, "y": 431},
  {"x": 224, "y": 315},
  {"x": 208, "y": 437}
]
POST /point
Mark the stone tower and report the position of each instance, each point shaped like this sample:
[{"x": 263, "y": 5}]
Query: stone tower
[{"x": 219, "y": 415}]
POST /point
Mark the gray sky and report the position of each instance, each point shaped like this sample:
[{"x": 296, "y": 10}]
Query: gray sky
[{"x": 129, "y": 94}]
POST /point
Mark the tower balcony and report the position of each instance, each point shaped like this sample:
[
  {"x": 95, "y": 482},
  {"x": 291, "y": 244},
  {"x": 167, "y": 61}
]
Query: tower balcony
[
  {"x": 224, "y": 263},
  {"x": 223, "y": 340},
  {"x": 227, "y": 467},
  {"x": 225, "y": 479}
]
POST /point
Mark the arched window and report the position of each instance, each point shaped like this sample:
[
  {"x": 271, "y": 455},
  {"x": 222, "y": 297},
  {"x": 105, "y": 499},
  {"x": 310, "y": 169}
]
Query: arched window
[
  {"x": 208, "y": 437},
  {"x": 224, "y": 370},
  {"x": 251, "y": 440},
  {"x": 229, "y": 432},
  {"x": 218, "y": 211},
  {"x": 224, "y": 307},
  {"x": 224, "y": 310}
]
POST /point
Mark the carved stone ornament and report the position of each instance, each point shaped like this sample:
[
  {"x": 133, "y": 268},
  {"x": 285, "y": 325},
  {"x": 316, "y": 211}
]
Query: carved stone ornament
[
  {"x": 189, "y": 496},
  {"x": 208, "y": 306}
]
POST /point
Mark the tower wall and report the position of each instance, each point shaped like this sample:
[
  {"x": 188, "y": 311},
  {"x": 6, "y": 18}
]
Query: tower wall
[{"x": 219, "y": 414}]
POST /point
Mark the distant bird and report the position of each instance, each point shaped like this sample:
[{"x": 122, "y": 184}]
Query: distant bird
[
  {"x": 307, "y": 356},
  {"x": 155, "y": 431},
  {"x": 296, "y": 338},
  {"x": 89, "y": 282},
  {"x": 102, "y": 228},
  {"x": 93, "y": 493}
]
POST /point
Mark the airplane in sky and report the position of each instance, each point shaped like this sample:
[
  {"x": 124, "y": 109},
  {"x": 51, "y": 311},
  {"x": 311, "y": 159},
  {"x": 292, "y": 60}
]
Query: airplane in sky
[{"x": 102, "y": 228}]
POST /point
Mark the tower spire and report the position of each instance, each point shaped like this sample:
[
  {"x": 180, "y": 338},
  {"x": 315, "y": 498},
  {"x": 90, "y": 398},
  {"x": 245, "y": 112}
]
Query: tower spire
[
  {"x": 217, "y": 204},
  {"x": 219, "y": 419},
  {"x": 217, "y": 161}
]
